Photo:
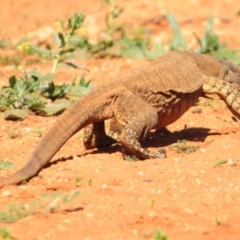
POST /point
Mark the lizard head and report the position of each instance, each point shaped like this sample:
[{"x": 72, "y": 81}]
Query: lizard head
[{"x": 229, "y": 72}]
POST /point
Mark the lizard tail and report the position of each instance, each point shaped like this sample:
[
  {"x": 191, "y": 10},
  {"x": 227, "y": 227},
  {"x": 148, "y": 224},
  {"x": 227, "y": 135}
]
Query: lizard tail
[{"x": 87, "y": 110}]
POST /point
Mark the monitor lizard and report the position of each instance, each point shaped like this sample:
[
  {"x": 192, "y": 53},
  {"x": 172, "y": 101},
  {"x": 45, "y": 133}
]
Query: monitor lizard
[{"x": 146, "y": 98}]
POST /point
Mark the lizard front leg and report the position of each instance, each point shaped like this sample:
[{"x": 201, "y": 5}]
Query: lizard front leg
[
  {"x": 227, "y": 91},
  {"x": 95, "y": 136},
  {"x": 138, "y": 118}
]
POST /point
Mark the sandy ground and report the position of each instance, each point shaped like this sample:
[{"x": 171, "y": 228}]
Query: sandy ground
[{"x": 183, "y": 195}]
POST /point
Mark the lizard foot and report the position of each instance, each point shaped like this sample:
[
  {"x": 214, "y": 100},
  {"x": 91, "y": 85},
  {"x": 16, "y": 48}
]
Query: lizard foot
[{"x": 95, "y": 136}]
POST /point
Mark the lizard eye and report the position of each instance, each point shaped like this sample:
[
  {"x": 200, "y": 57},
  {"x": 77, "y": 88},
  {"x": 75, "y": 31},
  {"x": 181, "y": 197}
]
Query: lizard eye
[{"x": 225, "y": 74}]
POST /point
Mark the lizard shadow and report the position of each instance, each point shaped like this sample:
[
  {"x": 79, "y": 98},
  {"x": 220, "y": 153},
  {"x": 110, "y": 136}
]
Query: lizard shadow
[
  {"x": 160, "y": 138},
  {"x": 164, "y": 137}
]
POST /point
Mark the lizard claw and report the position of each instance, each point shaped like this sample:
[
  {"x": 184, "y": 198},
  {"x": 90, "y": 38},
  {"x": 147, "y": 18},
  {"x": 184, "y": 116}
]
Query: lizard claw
[{"x": 161, "y": 153}]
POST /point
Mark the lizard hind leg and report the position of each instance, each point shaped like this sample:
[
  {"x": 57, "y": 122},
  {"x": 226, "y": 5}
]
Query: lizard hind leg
[
  {"x": 115, "y": 130},
  {"x": 95, "y": 136},
  {"x": 136, "y": 120}
]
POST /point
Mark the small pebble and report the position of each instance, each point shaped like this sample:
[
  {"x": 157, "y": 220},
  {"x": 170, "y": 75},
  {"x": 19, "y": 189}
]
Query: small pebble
[
  {"x": 6, "y": 193},
  {"x": 202, "y": 150}
]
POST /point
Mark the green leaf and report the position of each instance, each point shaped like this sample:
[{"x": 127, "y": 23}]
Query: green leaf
[
  {"x": 229, "y": 54},
  {"x": 34, "y": 73},
  {"x": 160, "y": 235},
  {"x": 73, "y": 65},
  {"x": 41, "y": 51},
  {"x": 76, "y": 21},
  {"x": 79, "y": 91},
  {"x": 12, "y": 81},
  {"x": 15, "y": 114},
  {"x": 56, "y": 108},
  {"x": 6, "y": 235},
  {"x": 59, "y": 39},
  {"x": 5, "y": 164},
  {"x": 70, "y": 197},
  {"x": 156, "y": 51},
  {"x": 210, "y": 41},
  {"x": 220, "y": 163},
  {"x": 55, "y": 92},
  {"x": 69, "y": 50},
  {"x": 178, "y": 41}
]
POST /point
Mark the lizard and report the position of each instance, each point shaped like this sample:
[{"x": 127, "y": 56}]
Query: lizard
[{"x": 146, "y": 98}]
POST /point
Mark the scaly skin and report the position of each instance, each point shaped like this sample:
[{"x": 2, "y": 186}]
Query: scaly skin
[{"x": 138, "y": 101}]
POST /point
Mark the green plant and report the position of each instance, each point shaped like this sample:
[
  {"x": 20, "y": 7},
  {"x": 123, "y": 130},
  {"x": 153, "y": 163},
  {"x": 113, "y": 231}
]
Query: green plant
[
  {"x": 5, "y": 164},
  {"x": 210, "y": 44},
  {"x": 160, "y": 235},
  {"x": 210, "y": 41},
  {"x": 32, "y": 91},
  {"x": 48, "y": 202},
  {"x": 62, "y": 39},
  {"x": 220, "y": 162},
  {"x": 218, "y": 222},
  {"x": 182, "y": 147},
  {"x": 230, "y": 162},
  {"x": 130, "y": 158},
  {"x": 178, "y": 41},
  {"x": 79, "y": 88},
  {"x": 4, "y": 43},
  {"x": 78, "y": 181},
  {"x": 90, "y": 182},
  {"x": 14, "y": 134},
  {"x": 6, "y": 235},
  {"x": 114, "y": 12},
  {"x": 153, "y": 202},
  {"x": 25, "y": 180},
  {"x": 117, "y": 42},
  {"x": 20, "y": 95},
  {"x": 14, "y": 60}
]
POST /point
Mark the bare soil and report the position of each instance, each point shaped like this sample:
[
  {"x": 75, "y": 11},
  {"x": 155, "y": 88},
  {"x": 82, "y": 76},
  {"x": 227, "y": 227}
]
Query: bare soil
[{"x": 182, "y": 195}]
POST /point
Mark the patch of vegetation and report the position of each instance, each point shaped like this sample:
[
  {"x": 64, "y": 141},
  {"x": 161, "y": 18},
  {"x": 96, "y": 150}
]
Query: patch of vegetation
[
  {"x": 117, "y": 42},
  {"x": 160, "y": 235},
  {"x": 208, "y": 44},
  {"x": 181, "y": 147},
  {"x": 14, "y": 134},
  {"x": 178, "y": 42},
  {"x": 210, "y": 41},
  {"x": 90, "y": 182},
  {"x": 34, "y": 90},
  {"x": 220, "y": 162},
  {"x": 153, "y": 202},
  {"x": 130, "y": 158},
  {"x": 5, "y": 164},
  {"x": 14, "y": 60},
  {"x": 6, "y": 235},
  {"x": 230, "y": 162},
  {"x": 78, "y": 181},
  {"x": 48, "y": 202},
  {"x": 3, "y": 43},
  {"x": 218, "y": 222},
  {"x": 135, "y": 45},
  {"x": 62, "y": 40},
  {"x": 37, "y": 92}
]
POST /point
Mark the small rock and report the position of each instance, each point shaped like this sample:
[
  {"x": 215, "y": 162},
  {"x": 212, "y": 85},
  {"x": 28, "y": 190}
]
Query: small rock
[
  {"x": 198, "y": 181},
  {"x": 202, "y": 150},
  {"x": 6, "y": 193},
  {"x": 197, "y": 110}
]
